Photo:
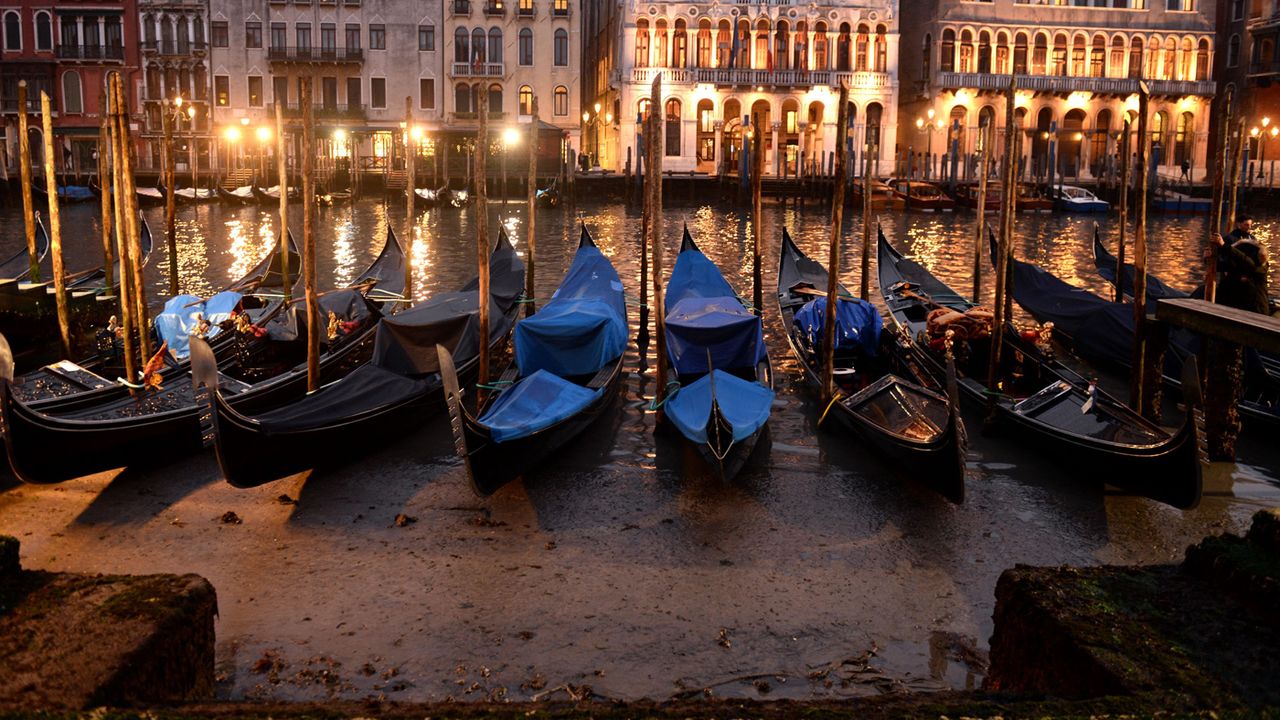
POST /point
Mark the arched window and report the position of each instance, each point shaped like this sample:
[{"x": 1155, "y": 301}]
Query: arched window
[
  {"x": 820, "y": 46},
  {"x": 882, "y": 49},
  {"x": 495, "y": 99},
  {"x": 526, "y": 100},
  {"x": 1202, "y": 60},
  {"x": 1020, "y": 54},
  {"x": 680, "y": 43},
  {"x": 703, "y": 59},
  {"x": 800, "y": 47},
  {"x": 1040, "y": 56},
  {"x": 642, "y": 111},
  {"x": 478, "y": 45},
  {"x": 1098, "y": 57},
  {"x": 1059, "y": 55},
  {"x": 642, "y": 43},
  {"x": 495, "y": 45},
  {"x": 526, "y": 46},
  {"x": 864, "y": 35},
  {"x": 673, "y": 129},
  {"x": 149, "y": 29},
  {"x": 741, "y": 50},
  {"x": 197, "y": 31},
  {"x": 153, "y": 82},
  {"x": 562, "y": 100},
  {"x": 166, "y": 35},
  {"x": 72, "y": 102},
  {"x": 561, "y": 42},
  {"x": 724, "y": 42},
  {"x": 1153, "y": 59},
  {"x": 780, "y": 46},
  {"x": 1115, "y": 65},
  {"x": 1159, "y": 144},
  {"x": 462, "y": 96},
  {"x": 844, "y": 46},
  {"x": 1184, "y": 60},
  {"x": 44, "y": 31},
  {"x": 948, "y": 60},
  {"x": 984, "y": 52},
  {"x": 706, "y": 131},
  {"x": 1233, "y": 51},
  {"x": 201, "y": 83},
  {"x": 461, "y": 46},
  {"x": 1098, "y": 142},
  {"x": 1135, "y": 58},
  {"x": 874, "y": 113},
  {"x": 762, "y": 46},
  {"x": 1185, "y": 141},
  {"x": 659, "y": 58},
  {"x": 184, "y": 37},
  {"x": 966, "y": 52},
  {"x": 927, "y": 51},
  {"x": 1001, "y": 66},
  {"x": 1170, "y": 59},
  {"x": 12, "y": 32}
]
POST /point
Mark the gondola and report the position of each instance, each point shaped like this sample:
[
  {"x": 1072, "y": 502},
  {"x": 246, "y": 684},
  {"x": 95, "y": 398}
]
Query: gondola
[
  {"x": 918, "y": 429},
  {"x": 84, "y": 383},
  {"x": 67, "y": 194},
  {"x": 17, "y": 267},
  {"x": 1261, "y": 396},
  {"x": 150, "y": 196},
  {"x": 195, "y": 195},
  {"x": 160, "y": 425},
  {"x": 270, "y": 197},
  {"x": 566, "y": 370},
  {"x": 548, "y": 196},
  {"x": 720, "y": 364},
  {"x": 919, "y": 195},
  {"x": 1041, "y": 400},
  {"x": 378, "y": 400},
  {"x": 242, "y": 195},
  {"x": 425, "y": 198},
  {"x": 966, "y": 195},
  {"x": 337, "y": 197},
  {"x": 459, "y": 198}
]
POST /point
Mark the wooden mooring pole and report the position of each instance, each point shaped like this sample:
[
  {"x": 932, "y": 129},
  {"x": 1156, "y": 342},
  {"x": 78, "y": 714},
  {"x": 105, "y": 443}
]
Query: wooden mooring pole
[
  {"x": 283, "y": 171},
  {"x": 1138, "y": 390},
  {"x": 987, "y": 132},
  {"x": 142, "y": 322},
  {"x": 757, "y": 219},
  {"x": 1005, "y": 242},
  {"x": 1124, "y": 210},
  {"x": 309, "y": 238},
  {"x": 55, "y": 228},
  {"x": 653, "y": 207},
  {"x": 169, "y": 171},
  {"x": 1219, "y": 182},
  {"x": 410, "y": 183},
  {"x": 24, "y": 168},
  {"x": 833, "y": 248},
  {"x": 481, "y": 173},
  {"x": 864, "y": 282},
  {"x": 121, "y": 203},
  {"x": 105, "y": 185},
  {"x": 531, "y": 193}
]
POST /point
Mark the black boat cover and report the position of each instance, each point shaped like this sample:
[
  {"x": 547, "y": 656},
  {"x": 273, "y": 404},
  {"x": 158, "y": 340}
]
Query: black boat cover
[
  {"x": 368, "y": 387},
  {"x": 406, "y": 343},
  {"x": 349, "y": 305}
]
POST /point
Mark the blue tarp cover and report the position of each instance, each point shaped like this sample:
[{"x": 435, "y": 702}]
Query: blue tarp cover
[
  {"x": 703, "y": 313},
  {"x": 743, "y": 403},
  {"x": 583, "y": 328},
  {"x": 74, "y": 192},
  {"x": 858, "y": 324},
  {"x": 538, "y": 401},
  {"x": 179, "y": 317}
]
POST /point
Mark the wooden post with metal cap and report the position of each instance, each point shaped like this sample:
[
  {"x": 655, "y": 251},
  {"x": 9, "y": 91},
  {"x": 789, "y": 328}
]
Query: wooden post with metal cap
[
  {"x": 532, "y": 192},
  {"x": 833, "y": 247},
  {"x": 283, "y": 171},
  {"x": 482, "y": 236},
  {"x": 309, "y": 239}
]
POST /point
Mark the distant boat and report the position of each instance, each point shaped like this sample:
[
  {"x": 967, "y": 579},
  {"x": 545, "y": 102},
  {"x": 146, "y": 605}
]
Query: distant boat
[
  {"x": 1172, "y": 201},
  {"x": 1070, "y": 198},
  {"x": 920, "y": 195},
  {"x": 242, "y": 195},
  {"x": 68, "y": 193}
]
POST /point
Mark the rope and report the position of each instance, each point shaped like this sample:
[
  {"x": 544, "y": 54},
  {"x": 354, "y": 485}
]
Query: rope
[
  {"x": 129, "y": 385},
  {"x": 495, "y": 385},
  {"x": 526, "y": 301},
  {"x": 837, "y": 398},
  {"x": 667, "y": 393}
]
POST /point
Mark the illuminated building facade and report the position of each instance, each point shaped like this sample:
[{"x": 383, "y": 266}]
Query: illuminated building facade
[
  {"x": 1077, "y": 64},
  {"x": 727, "y": 67}
]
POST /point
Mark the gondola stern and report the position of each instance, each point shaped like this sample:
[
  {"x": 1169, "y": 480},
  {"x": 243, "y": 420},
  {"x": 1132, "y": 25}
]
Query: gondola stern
[
  {"x": 686, "y": 242},
  {"x": 584, "y": 238},
  {"x": 458, "y": 416}
]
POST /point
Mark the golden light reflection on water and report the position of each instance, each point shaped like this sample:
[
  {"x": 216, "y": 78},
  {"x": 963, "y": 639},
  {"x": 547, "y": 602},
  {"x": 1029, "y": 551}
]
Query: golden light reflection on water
[{"x": 344, "y": 251}]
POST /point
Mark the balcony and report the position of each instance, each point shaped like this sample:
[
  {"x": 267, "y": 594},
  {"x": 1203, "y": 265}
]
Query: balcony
[
  {"x": 478, "y": 70},
  {"x": 461, "y": 8},
  {"x": 91, "y": 52},
  {"x": 1266, "y": 22},
  {"x": 1258, "y": 71},
  {"x": 560, "y": 12},
  {"x": 153, "y": 47},
  {"x": 323, "y": 111},
  {"x": 1061, "y": 84},
  {"x": 315, "y": 55},
  {"x": 726, "y": 77},
  {"x": 526, "y": 13},
  {"x": 495, "y": 9},
  {"x": 9, "y": 106}
]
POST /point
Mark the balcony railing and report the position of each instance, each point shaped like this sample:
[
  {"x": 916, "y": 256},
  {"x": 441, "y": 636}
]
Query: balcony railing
[
  {"x": 495, "y": 9},
  {"x": 562, "y": 12},
  {"x": 747, "y": 76},
  {"x": 1260, "y": 69},
  {"x": 10, "y": 105},
  {"x": 526, "y": 12},
  {"x": 315, "y": 54},
  {"x": 173, "y": 48},
  {"x": 90, "y": 52},
  {"x": 461, "y": 7},
  {"x": 323, "y": 111},
  {"x": 478, "y": 70},
  {"x": 476, "y": 115},
  {"x": 1067, "y": 84}
]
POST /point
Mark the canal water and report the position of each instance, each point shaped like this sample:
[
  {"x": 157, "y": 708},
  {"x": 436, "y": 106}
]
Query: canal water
[{"x": 822, "y": 570}]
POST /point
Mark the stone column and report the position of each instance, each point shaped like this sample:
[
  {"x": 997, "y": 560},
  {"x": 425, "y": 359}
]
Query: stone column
[
  {"x": 717, "y": 152},
  {"x": 777, "y": 149}
]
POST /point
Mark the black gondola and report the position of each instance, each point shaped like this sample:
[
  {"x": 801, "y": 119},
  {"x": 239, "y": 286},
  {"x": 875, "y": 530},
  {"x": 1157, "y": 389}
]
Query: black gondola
[
  {"x": 426, "y": 198},
  {"x": 570, "y": 373},
  {"x": 195, "y": 196},
  {"x": 242, "y": 195},
  {"x": 17, "y": 267},
  {"x": 458, "y": 198},
  {"x": 336, "y": 197},
  {"x": 719, "y": 363},
  {"x": 1043, "y": 401},
  {"x": 164, "y": 424},
  {"x": 151, "y": 196},
  {"x": 917, "y": 428},
  {"x": 377, "y": 401},
  {"x": 549, "y": 196},
  {"x": 270, "y": 197}
]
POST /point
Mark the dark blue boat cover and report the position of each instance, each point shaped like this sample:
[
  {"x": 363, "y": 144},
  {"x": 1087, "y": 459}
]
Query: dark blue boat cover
[
  {"x": 538, "y": 401},
  {"x": 583, "y": 328},
  {"x": 1102, "y": 326},
  {"x": 858, "y": 324},
  {"x": 703, "y": 313},
  {"x": 74, "y": 193},
  {"x": 744, "y": 404},
  {"x": 406, "y": 342}
]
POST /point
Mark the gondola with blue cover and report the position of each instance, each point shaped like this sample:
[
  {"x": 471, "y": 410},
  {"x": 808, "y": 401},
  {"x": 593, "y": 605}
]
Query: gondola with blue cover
[
  {"x": 723, "y": 381},
  {"x": 68, "y": 194},
  {"x": 159, "y": 425},
  {"x": 918, "y": 429},
  {"x": 392, "y": 393},
  {"x": 566, "y": 370},
  {"x": 1041, "y": 400}
]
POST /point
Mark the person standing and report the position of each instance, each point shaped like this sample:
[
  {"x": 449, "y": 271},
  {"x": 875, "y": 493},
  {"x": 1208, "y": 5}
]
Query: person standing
[{"x": 1243, "y": 267}]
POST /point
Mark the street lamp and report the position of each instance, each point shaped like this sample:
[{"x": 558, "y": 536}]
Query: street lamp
[
  {"x": 232, "y": 135},
  {"x": 588, "y": 120}
]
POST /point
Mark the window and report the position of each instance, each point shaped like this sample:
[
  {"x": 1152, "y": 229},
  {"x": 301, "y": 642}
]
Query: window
[
  {"x": 562, "y": 48},
  {"x": 302, "y": 31},
  {"x": 1233, "y": 51},
  {"x": 255, "y": 91},
  {"x": 220, "y": 34},
  {"x": 495, "y": 45},
  {"x": 352, "y": 36},
  {"x": 278, "y": 37},
  {"x": 72, "y": 101},
  {"x": 328, "y": 38},
  {"x": 526, "y": 100},
  {"x": 461, "y": 46},
  {"x": 1181, "y": 5},
  {"x": 222, "y": 90},
  {"x": 1078, "y": 57},
  {"x": 526, "y": 46},
  {"x": 426, "y": 38},
  {"x": 948, "y": 60},
  {"x": 495, "y": 99},
  {"x": 642, "y": 43},
  {"x": 1202, "y": 60},
  {"x": 1020, "y": 54},
  {"x": 253, "y": 34},
  {"x": 329, "y": 92},
  {"x": 680, "y": 47},
  {"x": 1135, "y": 58},
  {"x": 672, "y": 140},
  {"x": 280, "y": 90},
  {"x": 560, "y": 7},
  {"x": 44, "y": 31},
  {"x": 562, "y": 100},
  {"x": 378, "y": 92},
  {"x": 1237, "y": 9},
  {"x": 525, "y": 7},
  {"x": 12, "y": 32},
  {"x": 377, "y": 37},
  {"x": 462, "y": 98},
  {"x": 353, "y": 93},
  {"x": 427, "y": 93}
]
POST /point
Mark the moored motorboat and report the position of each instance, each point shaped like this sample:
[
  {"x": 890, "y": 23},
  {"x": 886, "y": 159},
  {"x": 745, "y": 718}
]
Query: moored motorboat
[
  {"x": 920, "y": 195},
  {"x": 720, "y": 363},
  {"x": 1037, "y": 397},
  {"x": 1069, "y": 198},
  {"x": 242, "y": 195},
  {"x": 918, "y": 429},
  {"x": 566, "y": 370}
]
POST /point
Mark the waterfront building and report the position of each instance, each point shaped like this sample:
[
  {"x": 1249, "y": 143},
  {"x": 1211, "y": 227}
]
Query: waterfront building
[
  {"x": 175, "y": 80},
  {"x": 1077, "y": 66},
  {"x": 1249, "y": 63},
  {"x": 775, "y": 66},
  {"x": 65, "y": 49}
]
